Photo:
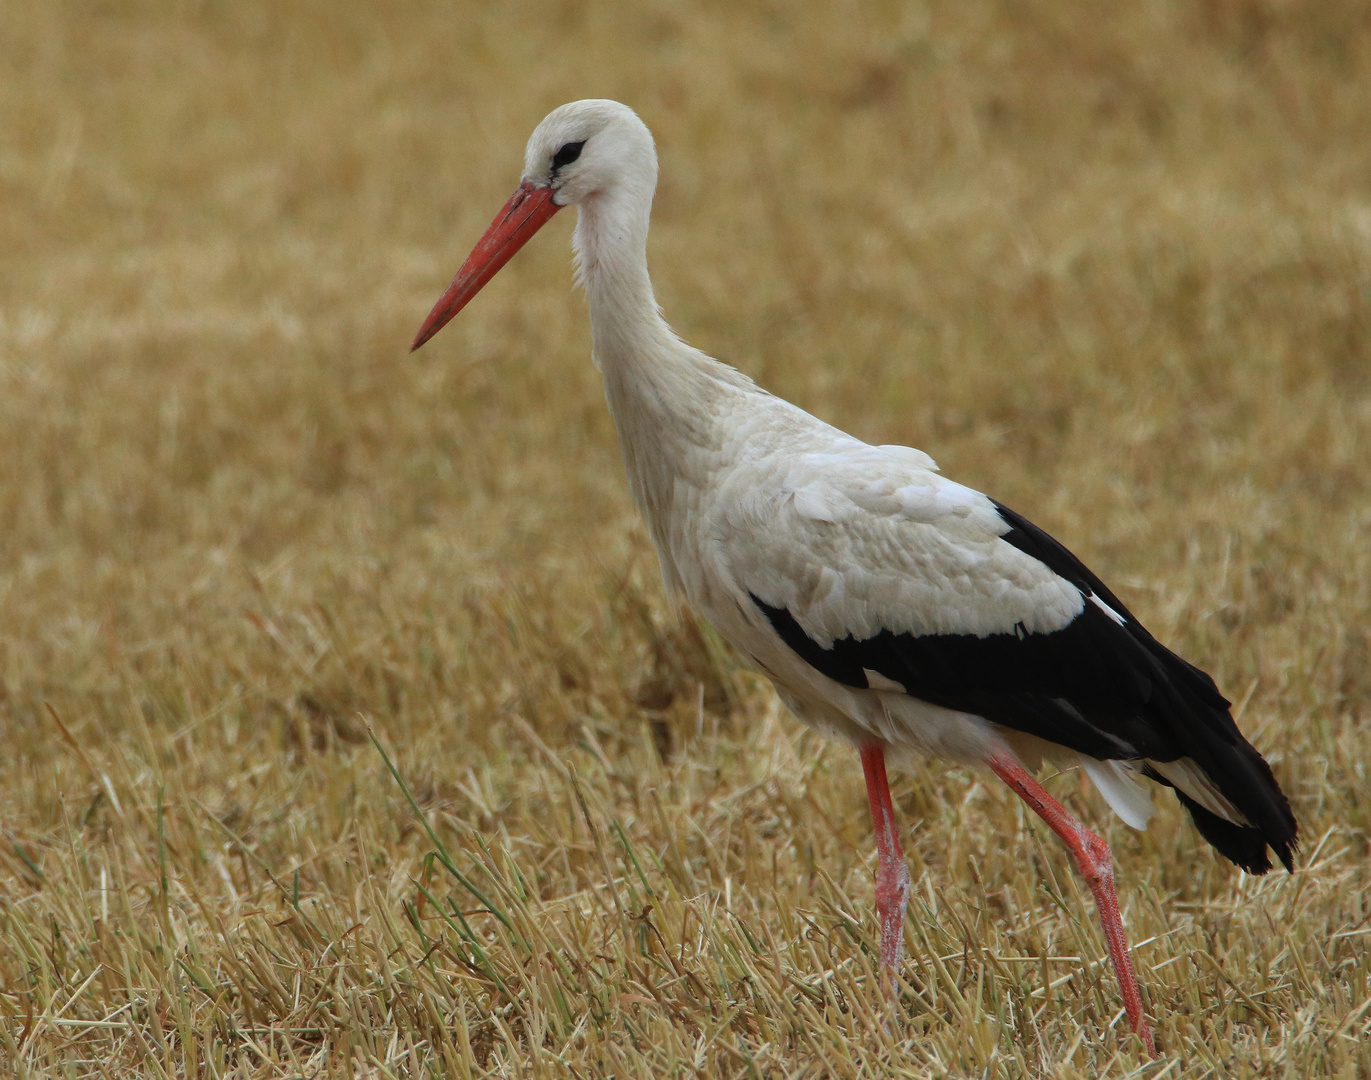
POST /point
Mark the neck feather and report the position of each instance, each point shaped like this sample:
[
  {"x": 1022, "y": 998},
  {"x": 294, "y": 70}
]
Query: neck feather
[
  {"x": 611, "y": 264},
  {"x": 666, "y": 398}
]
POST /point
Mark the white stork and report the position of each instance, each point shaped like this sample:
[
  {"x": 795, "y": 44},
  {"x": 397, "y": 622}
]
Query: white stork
[{"x": 889, "y": 606}]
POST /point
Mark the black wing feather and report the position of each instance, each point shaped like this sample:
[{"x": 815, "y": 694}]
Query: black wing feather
[{"x": 1100, "y": 688}]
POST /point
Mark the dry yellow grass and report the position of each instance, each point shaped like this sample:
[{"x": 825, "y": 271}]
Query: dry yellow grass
[{"x": 1112, "y": 266}]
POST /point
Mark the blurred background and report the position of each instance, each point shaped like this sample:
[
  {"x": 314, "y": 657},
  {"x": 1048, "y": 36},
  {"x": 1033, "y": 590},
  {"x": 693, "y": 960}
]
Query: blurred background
[{"x": 1112, "y": 266}]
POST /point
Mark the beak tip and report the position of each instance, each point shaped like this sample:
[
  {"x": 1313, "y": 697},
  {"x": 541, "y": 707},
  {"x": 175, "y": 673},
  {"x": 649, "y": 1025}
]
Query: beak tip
[
  {"x": 431, "y": 326},
  {"x": 525, "y": 213}
]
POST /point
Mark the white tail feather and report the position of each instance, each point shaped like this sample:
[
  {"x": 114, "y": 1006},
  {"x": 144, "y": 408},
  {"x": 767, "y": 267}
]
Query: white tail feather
[{"x": 1117, "y": 781}]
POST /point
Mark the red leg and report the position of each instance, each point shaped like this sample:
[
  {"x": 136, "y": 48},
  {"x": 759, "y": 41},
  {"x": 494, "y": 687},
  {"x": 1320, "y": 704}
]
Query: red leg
[
  {"x": 1097, "y": 867},
  {"x": 892, "y": 873}
]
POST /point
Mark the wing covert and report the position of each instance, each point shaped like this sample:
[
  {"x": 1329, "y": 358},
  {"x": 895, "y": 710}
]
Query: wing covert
[{"x": 857, "y": 542}]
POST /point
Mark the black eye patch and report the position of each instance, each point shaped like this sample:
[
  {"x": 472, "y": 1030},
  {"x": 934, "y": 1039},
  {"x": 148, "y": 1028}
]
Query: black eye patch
[{"x": 567, "y": 154}]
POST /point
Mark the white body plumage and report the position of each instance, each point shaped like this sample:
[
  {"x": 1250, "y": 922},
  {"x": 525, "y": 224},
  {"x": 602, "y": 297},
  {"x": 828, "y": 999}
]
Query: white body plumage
[{"x": 889, "y": 605}]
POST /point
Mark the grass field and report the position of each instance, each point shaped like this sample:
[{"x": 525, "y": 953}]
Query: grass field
[{"x": 1111, "y": 265}]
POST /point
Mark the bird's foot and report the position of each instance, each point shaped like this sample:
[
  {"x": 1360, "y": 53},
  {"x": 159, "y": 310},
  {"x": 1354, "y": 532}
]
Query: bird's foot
[{"x": 1096, "y": 864}]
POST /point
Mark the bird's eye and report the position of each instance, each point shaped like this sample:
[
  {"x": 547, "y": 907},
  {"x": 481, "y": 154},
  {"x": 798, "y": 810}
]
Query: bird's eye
[{"x": 567, "y": 154}]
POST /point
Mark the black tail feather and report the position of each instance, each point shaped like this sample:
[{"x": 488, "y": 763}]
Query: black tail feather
[
  {"x": 1241, "y": 844},
  {"x": 1244, "y": 845}
]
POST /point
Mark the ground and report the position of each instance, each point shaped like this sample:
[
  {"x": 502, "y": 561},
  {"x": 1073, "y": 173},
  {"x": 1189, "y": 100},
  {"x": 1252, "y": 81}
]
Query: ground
[{"x": 1110, "y": 265}]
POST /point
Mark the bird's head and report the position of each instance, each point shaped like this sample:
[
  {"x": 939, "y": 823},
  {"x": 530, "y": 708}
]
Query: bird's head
[
  {"x": 581, "y": 152},
  {"x": 588, "y": 148}
]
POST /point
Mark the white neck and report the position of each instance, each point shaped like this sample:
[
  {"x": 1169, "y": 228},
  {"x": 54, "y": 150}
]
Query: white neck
[
  {"x": 666, "y": 399},
  {"x": 611, "y": 256}
]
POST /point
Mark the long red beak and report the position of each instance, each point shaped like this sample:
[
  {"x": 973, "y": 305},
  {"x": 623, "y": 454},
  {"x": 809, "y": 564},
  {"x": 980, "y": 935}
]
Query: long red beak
[{"x": 525, "y": 213}]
